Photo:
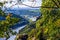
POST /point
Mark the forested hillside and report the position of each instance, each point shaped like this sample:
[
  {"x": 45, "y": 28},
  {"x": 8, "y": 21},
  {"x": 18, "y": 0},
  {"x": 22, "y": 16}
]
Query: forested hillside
[{"x": 48, "y": 26}]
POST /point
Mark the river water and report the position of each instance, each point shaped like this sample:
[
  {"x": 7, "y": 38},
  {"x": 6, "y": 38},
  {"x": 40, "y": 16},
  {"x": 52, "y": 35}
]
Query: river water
[{"x": 25, "y": 14}]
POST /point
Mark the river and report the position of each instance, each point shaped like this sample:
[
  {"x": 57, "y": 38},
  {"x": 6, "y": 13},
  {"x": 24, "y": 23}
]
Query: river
[{"x": 26, "y": 14}]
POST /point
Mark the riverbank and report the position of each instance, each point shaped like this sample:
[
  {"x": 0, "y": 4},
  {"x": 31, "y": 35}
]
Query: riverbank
[{"x": 31, "y": 15}]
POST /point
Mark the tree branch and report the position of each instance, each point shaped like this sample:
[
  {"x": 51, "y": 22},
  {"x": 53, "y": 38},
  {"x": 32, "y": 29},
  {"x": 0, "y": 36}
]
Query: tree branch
[{"x": 55, "y": 3}]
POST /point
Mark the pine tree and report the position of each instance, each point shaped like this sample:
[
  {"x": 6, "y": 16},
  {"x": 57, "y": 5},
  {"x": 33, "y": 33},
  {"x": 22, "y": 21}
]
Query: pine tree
[{"x": 49, "y": 24}]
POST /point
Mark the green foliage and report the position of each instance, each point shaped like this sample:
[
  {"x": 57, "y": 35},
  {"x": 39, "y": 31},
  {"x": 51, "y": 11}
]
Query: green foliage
[
  {"x": 1, "y": 4},
  {"x": 2, "y": 13},
  {"x": 7, "y": 23},
  {"x": 49, "y": 24},
  {"x": 28, "y": 28}
]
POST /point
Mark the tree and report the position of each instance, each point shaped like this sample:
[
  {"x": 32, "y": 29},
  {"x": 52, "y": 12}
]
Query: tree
[
  {"x": 6, "y": 23},
  {"x": 49, "y": 24}
]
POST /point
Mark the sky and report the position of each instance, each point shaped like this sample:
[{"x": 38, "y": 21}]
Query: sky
[{"x": 38, "y": 3}]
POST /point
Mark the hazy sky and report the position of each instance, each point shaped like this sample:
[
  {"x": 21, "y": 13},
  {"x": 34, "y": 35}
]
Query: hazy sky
[{"x": 38, "y": 3}]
